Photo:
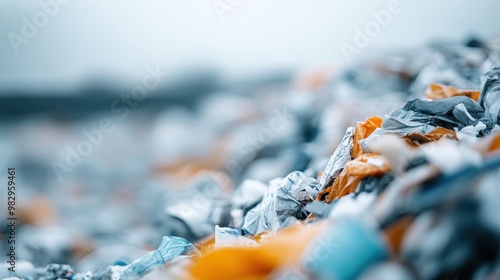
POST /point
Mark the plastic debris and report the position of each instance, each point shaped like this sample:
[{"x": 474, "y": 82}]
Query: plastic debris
[
  {"x": 284, "y": 200},
  {"x": 170, "y": 247},
  {"x": 410, "y": 193}
]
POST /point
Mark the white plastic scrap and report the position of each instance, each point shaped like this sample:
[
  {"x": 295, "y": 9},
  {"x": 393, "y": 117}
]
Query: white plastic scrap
[{"x": 282, "y": 201}]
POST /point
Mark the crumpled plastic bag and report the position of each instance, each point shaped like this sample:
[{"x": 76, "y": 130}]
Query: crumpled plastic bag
[
  {"x": 349, "y": 179},
  {"x": 338, "y": 159},
  {"x": 363, "y": 130},
  {"x": 447, "y": 109},
  {"x": 169, "y": 248},
  {"x": 284, "y": 199},
  {"x": 490, "y": 98}
]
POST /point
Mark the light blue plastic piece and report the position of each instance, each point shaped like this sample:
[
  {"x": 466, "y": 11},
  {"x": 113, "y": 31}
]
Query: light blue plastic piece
[{"x": 170, "y": 248}]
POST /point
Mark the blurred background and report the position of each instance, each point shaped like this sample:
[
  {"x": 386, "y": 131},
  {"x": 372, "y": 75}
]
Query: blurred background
[
  {"x": 112, "y": 41},
  {"x": 116, "y": 114}
]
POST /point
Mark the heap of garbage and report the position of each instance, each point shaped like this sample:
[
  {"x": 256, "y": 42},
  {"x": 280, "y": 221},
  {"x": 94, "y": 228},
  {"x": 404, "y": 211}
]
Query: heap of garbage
[{"x": 389, "y": 170}]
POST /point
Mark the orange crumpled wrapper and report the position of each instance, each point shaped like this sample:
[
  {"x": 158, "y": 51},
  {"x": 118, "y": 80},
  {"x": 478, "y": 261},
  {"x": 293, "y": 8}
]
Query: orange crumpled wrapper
[
  {"x": 438, "y": 91},
  {"x": 281, "y": 250},
  {"x": 356, "y": 170},
  {"x": 363, "y": 130}
]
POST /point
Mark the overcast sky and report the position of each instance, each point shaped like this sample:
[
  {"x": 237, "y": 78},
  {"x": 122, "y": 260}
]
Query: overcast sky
[{"x": 122, "y": 37}]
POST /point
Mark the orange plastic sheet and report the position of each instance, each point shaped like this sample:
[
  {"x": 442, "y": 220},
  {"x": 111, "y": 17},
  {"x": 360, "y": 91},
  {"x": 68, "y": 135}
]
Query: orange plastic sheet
[
  {"x": 363, "y": 130},
  {"x": 439, "y": 91},
  {"x": 418, "y": 138},
  {"x": 256, "y": 263},
  {"x": 356, "y": 170}
]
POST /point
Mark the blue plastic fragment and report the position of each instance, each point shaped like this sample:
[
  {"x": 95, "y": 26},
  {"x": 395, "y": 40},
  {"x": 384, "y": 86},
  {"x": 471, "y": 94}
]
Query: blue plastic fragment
[{"x": 170, "y": 248}]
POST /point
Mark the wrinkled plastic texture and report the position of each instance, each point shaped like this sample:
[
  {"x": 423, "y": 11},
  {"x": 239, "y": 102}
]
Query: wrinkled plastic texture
[
  {"x": 339, "y": 158},
  {"x": 169, "y": 248},
  {"x": 349, "y": 179},
  {"x": 282, "y": 201},
  {"x": 490, "y": 97},
  {"x": 363, "y": 130}
]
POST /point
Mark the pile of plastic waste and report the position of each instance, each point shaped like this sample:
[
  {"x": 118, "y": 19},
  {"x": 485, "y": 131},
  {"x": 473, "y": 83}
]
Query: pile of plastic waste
[{"x": 389, "y": 170}]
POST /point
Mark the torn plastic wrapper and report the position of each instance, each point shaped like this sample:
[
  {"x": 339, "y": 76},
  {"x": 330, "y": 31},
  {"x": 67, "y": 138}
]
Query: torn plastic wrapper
[
  {"x": 490, "y": 98},
  {"x": 403, "y": 122},
  {"x": 399, "y": 122},
  {"x": 349, "y": 179},
  {"x": 425, "y": 115},
  {"x": 453, "y": 113},
  {"x": 284, "y": 199},
  {"x": 337, "y": 161},
  {"x": 169, "y": 248},
  {"x": 363, "y": 130},
  {"x": 446, "y": 110}
]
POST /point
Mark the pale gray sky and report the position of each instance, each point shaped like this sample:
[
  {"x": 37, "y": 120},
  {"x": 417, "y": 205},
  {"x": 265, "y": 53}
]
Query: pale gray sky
[{"x": 121, "y": 37}]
